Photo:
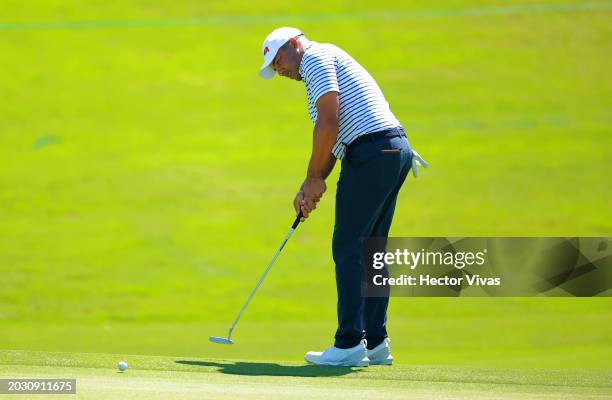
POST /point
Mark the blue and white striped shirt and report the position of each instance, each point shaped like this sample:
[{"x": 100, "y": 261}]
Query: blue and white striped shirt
[{"x": 363, "y": 109}]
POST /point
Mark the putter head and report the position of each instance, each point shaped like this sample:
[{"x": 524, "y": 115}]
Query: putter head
[{"x": 221, "y": 340}]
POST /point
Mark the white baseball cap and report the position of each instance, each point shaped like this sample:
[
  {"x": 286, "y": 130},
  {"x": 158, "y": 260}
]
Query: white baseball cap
[{"x": 273, "y": 42}]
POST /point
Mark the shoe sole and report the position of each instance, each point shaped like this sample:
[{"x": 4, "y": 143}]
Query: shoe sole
[
  {"x": 362, "y": 363},
  {"x": 386, "y": 361},
  {"x": 383, "y": 362}
]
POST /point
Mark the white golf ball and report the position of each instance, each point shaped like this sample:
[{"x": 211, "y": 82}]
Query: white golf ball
[{"x": 122, "y": 366}]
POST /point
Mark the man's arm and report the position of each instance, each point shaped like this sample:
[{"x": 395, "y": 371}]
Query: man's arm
[
  {"x": 322, "y": 160},
  {"x": 324, "y": 136}
]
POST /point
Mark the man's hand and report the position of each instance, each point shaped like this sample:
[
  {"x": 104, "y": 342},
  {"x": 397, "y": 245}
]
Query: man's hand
[
  {"x": 297, "y": 202},
  {"x": 313, "y": 190}
]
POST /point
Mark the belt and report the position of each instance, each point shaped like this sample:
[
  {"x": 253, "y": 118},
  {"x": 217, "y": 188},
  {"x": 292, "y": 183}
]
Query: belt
[{"x": 371, "y": 137}]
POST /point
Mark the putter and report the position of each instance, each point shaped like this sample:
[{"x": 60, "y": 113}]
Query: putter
[{"x": 228, "y": 339}]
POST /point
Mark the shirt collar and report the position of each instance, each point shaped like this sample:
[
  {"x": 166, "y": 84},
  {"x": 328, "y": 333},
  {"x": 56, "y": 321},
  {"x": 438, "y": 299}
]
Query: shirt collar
[{"x": 306, "y": 48}]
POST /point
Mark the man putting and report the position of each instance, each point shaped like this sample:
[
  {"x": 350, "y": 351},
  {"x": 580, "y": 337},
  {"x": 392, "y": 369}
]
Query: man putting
[{"x": 353, "y": 123}]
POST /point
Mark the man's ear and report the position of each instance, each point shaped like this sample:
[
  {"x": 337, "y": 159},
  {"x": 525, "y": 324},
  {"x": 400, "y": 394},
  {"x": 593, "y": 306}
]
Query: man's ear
[{"x": 294, "y": 42}]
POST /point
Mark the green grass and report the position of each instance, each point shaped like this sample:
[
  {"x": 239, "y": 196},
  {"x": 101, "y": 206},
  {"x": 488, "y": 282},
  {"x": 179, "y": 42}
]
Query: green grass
[
  {"x": 151, "y": 377},
  {"x": 142, "y": 224},
  {"x": 511, "y": 333}
]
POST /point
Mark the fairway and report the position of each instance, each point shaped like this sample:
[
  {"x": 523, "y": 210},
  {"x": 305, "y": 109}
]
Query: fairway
[
  {"x": 147, "y": 177},
  {"x": 186, "y": 378}
]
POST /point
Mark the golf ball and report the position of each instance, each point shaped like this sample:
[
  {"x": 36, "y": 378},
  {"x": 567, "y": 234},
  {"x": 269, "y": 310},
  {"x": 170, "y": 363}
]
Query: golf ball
[{"x": 122, "y": 366}]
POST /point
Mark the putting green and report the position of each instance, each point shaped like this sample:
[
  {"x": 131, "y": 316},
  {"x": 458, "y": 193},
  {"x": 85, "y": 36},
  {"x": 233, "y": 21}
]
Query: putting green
[{"x": 150, "y": 377}]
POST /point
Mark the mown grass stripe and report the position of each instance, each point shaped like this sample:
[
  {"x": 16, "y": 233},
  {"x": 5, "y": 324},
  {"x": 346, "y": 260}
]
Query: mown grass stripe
[{"x": 279, "y": 19}]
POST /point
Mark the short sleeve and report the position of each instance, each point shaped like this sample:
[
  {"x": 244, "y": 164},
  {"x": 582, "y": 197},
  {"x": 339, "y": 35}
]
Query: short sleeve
[{"x": 320, "y": 71}]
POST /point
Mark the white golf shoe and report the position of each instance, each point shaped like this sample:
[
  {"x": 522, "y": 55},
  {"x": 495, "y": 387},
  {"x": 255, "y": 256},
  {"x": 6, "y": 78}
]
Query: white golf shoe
[
  {"x": 381, "y": 354},
  {"x": 354, "y": 357}
]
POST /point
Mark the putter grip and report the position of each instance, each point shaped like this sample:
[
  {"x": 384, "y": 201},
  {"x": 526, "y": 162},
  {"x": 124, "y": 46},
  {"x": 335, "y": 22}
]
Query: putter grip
[{"x": 297, "y": 221}]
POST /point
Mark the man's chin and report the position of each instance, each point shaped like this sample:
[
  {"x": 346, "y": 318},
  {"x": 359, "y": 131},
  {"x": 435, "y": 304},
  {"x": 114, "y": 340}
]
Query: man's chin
[{"x": 293, "y": 78}]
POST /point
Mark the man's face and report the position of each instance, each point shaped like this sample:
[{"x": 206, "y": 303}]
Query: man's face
[{"x": 287, "y": 61}]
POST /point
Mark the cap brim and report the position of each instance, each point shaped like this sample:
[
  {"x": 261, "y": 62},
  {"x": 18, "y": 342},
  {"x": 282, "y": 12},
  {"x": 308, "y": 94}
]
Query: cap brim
[{"x": 266, "y": 72}]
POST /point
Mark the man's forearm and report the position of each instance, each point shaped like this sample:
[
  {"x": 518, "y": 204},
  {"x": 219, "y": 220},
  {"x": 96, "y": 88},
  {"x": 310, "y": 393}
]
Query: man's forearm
[
  {"x": 322, "y": 160},
  {"x": 328, "y": 169}
]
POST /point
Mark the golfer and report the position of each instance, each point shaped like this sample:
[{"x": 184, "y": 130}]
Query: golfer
[{"x": 354, "y": 125}]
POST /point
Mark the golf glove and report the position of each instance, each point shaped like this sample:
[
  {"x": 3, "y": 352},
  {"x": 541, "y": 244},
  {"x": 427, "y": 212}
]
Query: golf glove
[{"x": 417, "y": 162}]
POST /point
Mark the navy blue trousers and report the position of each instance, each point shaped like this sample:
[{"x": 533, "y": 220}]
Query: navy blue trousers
[{"x": 371, "y": 176}]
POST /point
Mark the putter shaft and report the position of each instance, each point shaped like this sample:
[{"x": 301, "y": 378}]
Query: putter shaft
[{"x": 293, "y": 227}]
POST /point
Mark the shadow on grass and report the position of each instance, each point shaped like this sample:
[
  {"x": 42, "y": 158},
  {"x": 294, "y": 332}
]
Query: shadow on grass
[{"x": 259, "y": 369}]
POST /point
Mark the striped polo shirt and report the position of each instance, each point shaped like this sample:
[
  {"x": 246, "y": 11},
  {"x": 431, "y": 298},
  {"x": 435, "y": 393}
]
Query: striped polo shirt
[{"x": 363, "y": 108}]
